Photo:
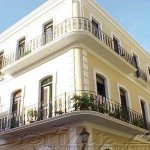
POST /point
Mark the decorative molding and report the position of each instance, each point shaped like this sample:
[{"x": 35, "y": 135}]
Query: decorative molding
[
  {"x": 85, "y": 70},
  {"x": 49, "y": 5},
  {"x": 110, "y": 20}
]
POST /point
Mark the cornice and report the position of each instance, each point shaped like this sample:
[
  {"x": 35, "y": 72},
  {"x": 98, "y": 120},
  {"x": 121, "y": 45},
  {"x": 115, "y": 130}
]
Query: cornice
[
  {"x": 120, "y": 29},
  {"x": 29, "y": 18}
]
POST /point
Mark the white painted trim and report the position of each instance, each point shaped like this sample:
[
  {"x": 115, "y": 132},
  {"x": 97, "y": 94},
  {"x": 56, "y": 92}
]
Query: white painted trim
[
  {"x": 92, "y": 17},
  {"x": 54, "y": 80},
  {"x": 109, "y": 20},
  {"x": 140, "y": 98},
  {"x": 148, "y": 74},
  {"x": 116, "y": 37},
  {"x": 113, "y": 67},
  {"x": 17, "y": 43},
  {"x": 127, "y": 94},
  {"x": 107, "y": 82},
  {"x": 137, "y": 56},
  {"x": 50, "y": 5}
]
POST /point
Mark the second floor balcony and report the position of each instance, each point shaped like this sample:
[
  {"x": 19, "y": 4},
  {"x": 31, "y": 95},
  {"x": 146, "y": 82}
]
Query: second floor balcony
[
  {"x": 71, "y": 31},
  {"x": 70, "y": 107},
  {"x": 142, "y": 76}
]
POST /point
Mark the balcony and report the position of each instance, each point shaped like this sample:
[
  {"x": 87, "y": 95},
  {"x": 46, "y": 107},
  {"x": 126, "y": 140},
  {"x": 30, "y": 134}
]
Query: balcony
[
  {"x": 142, "y": 76},
  {"x": 68, "y": 108},
  {"x": 74, "y": 30}
]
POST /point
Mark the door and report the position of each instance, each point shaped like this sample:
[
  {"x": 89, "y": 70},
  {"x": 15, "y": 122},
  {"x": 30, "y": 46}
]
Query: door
[
  {"x": 16, "y": 109},
  {"x": 143, "y": 112},
  {"x": 116, "y": 45},
  {"x": 124, "y": 109},
  {"x": 100, "y": 85},
  {"x": 95, "y": 28},
  {"x": 46, "y": 98},
  {"x": 48, "y": 32}
]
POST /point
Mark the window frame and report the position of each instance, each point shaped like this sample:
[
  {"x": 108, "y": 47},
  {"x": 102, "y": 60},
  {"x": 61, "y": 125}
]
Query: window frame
[
  {"x": 146, "y": 107},
  {"x": 106, "y": 79},
  {"x": 43, "y": 30},
  {"x": 127, "y": 94}
]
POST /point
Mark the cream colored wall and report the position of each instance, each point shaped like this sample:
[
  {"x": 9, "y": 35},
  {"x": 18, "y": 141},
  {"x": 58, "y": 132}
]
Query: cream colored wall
[
  {"x": 109, "y": 26},
  {"x": 116, "y": 79}
]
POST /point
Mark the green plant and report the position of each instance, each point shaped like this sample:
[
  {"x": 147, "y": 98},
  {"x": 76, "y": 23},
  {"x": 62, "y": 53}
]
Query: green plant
[
  {"x": 83, "y": 102},
  {"x": 115, "y": 113},
  {"x": 124, "y": 113},
  {"x": 103, "y": 108},
  {"x": 32, "y": 114},
  {"x": 138, "y": 122}
]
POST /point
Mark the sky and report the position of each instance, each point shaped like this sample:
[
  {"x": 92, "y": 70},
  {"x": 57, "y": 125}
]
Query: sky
[{"x": 132, "y": 15}]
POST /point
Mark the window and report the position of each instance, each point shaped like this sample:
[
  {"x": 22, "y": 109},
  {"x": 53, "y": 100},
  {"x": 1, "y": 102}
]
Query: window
[
  {"x": 1, "y": 105},
  {"x": 100, "y": 83},
  {"x": 46, "y": 98},
  {"x": 21, "y": 48},
  {"x": 149, "y": 71},
  {"x": 124, "y": 106},
  {"x": 16, "y": 108},
  {"x": 48, "y": 32},
  {"x": 144, "y": 112},
  {"x": 1, "y": 59},
  {"x": 95, "y": 28},
  {"x": 135, "y": 61},
  {"x": 116, "y": 44}
]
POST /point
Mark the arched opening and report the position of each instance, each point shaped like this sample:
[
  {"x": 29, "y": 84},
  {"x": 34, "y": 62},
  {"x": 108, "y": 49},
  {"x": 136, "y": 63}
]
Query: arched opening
[
  {"x": 16, "y": 103},
  {"x": 144, "y": 112},
  {"x": 46, "y": 98},
  {"x": 124, "y": 104},
  {"x": 101, "y": 85}
]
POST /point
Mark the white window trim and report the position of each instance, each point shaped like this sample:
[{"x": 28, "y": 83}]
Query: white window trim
[
  {"x": 140, "y": 98},
  {"x": 107, "y": 82},
  {"x": 92, "y": 17},
  {"x": 128, "y": 97},
  {"x": 54, "y": 82},
  {"x": 148, "y": 75},
  {"x": 138, "y": 60},
  {"x": 43, "y": 25},
  {"x": 22, "y": 98},
  {"x": 117, "y": 38}
]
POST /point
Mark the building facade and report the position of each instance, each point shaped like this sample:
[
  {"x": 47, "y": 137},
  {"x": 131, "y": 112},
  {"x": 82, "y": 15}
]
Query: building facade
[{"x": 67, "y": 67}]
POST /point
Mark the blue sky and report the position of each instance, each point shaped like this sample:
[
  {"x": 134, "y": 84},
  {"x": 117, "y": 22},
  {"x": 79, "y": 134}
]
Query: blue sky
[{"x": 132, "y": 15}]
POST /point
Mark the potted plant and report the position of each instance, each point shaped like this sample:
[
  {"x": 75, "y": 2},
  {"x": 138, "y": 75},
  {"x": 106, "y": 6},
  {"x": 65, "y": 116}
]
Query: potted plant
[
  {"x": 83, "y": 102},
  {"x": 103, "y": 108},
  {"x": 32, "y": 115}
]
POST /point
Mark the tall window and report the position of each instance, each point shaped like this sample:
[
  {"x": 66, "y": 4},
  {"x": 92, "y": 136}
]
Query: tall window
[
  {"x": 100, "y": 82},
  {"x": 21, "y": 48},
  {"x": 116, "y": 44},
  {"x": 149, "y": 71},
  {"x": 124, "y": 106},
  {"x": 135, "y": 61},
  {"x": 46, "y": 98},
  {"x": 143, "y": 108},
  {"x": 1, "y": 59},
  {"x": 48, "y": 32},
  {"x": 16, "y": 108},
  {"x": 95, "y": 27}
]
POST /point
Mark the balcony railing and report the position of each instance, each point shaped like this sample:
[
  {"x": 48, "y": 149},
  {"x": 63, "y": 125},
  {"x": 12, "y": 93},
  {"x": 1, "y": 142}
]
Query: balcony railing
[
  {"x": 142, "y": 75},
  {"x": 66, "y": 103},
  {"x": 69, "y": 25}
]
